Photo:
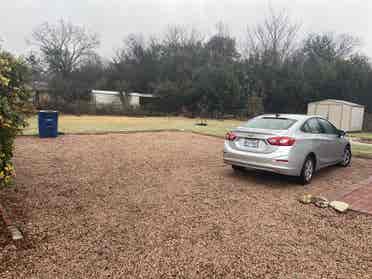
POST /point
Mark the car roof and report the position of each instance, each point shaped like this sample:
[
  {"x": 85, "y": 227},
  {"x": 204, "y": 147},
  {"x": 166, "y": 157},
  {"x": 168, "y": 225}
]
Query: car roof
[{"x": 290, "y": 116}]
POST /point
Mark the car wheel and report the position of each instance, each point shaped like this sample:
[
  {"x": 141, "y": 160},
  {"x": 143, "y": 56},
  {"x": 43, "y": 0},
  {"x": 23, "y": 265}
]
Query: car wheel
[
  {"x": 307, "y": 171},
  {"x": 237, "y": 168},
  {"x": 346, "y": 159}
]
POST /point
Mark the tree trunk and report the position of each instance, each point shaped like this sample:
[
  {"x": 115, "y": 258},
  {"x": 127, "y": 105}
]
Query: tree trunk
[{"x": 124, "y": 101}]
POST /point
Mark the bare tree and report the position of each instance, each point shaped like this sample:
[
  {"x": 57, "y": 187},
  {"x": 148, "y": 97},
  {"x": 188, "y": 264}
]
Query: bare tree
[
  {"x": 178, "y": 35},
  {"x": 64, "y": 46},
  {"x": 276, "y": 37},
  {"x": 330, "y": 47},
  {"x": 223, "y": 29},
  {"x": 133, "y": 49},
  {"x": 175, "y": 35},
  {"x": 346, "y": 45}
]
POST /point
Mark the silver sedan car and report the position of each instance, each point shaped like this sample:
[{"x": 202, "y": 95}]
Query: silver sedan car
[{"x": 289, "y": 144}]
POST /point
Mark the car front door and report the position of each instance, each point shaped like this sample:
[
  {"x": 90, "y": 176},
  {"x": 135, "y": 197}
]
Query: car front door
[{"x": 334, "y": 143}]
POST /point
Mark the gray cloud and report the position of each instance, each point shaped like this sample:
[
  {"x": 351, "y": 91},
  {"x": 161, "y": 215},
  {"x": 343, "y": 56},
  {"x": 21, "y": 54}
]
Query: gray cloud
[{"x": 114, "y": 19}]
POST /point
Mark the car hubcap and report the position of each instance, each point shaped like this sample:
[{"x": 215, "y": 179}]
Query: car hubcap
[
  {"x": 309, "y": 168},
  {"x": 346, "y": 156}
]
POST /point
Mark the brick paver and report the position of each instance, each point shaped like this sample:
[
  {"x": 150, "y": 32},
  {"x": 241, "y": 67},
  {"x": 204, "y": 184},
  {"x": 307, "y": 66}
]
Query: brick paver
[{"x": 361, "y": 198}]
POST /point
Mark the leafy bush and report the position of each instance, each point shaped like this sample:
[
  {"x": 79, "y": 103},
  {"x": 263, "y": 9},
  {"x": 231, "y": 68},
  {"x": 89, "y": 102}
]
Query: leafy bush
[{"x": 14, "y": 107}]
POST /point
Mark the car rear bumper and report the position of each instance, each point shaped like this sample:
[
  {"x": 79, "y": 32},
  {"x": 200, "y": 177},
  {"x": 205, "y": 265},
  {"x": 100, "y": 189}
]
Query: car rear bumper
[{"x": 266, "y": 162}]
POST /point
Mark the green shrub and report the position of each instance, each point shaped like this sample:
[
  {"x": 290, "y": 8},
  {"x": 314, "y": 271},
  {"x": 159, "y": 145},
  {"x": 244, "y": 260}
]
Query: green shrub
[{"x": 14, "y": 107}]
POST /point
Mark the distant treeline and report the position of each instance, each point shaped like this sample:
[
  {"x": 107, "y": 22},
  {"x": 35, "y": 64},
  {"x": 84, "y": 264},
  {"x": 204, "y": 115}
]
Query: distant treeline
[{"x": 272, "y": 67}]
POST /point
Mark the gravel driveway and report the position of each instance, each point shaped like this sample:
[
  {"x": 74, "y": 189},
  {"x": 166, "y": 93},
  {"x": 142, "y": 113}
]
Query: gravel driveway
[{"x": 161, "y": 205}]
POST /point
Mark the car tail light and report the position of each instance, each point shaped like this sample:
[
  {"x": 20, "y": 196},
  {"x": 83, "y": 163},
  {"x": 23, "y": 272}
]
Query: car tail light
[
  {"x": 281, "y": 141},
  {"x": 230, "y": 136}
]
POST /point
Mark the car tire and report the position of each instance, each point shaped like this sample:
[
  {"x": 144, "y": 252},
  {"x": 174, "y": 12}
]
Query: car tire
[
  {"x": 308, "y": 170},
  {"x": 346, "y": 159},
  {"x": 237, "y": 168}
]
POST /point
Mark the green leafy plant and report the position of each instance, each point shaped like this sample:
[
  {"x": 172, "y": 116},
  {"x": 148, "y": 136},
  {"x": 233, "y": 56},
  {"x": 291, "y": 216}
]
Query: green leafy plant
[{"x": 14, "y": 107}]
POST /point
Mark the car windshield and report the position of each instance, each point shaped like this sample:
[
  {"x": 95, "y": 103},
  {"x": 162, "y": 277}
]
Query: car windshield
[{"x": 270, "y": 123}]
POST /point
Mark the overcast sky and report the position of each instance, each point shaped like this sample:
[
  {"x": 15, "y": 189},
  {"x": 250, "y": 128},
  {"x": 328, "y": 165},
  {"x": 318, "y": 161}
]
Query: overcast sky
[{"x": 114, "y": 19}]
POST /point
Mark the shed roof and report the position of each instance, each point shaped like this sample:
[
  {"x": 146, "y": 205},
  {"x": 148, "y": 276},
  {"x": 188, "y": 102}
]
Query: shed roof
[
  {"x": 107, "y": 92},
  {"x": 338, "y": 102},
  {"x": 141, "y": 95}
]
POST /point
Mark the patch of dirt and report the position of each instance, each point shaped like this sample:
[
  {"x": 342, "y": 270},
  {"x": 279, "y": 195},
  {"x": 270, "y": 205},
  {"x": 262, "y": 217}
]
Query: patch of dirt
[
  {"x": 164, "y": 205},
  {"x": 364, "y": 140},
  {"x": 4, "y": 236}
]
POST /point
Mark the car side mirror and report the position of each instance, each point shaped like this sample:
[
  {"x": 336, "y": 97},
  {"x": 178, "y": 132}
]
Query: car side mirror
[{"x": 341, "y": 133}]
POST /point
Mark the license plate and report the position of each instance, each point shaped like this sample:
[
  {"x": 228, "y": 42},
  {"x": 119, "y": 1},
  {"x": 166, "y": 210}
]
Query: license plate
[{"x": 250, "y": 143}]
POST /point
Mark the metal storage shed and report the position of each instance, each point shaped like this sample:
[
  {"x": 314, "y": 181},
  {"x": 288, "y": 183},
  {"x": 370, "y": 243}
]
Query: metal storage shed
[{"x": 344, "y": 115}]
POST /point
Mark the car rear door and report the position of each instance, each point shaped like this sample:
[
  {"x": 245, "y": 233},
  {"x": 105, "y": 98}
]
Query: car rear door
[{"x": 317, "y": 139}]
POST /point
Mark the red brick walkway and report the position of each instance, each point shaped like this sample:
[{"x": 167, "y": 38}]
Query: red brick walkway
[{"x": 360, "y": 199}]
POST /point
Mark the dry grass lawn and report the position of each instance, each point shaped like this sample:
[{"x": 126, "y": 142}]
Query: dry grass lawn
[
  {"x": 91, "y": 124},
  {"x": 99, "y": 124}
]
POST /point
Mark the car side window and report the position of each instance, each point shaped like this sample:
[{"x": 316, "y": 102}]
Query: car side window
[
  {"x": 312, "y": 126},
  {"x": 306, "y": 128},
  {"x": 327, "y": 127}
]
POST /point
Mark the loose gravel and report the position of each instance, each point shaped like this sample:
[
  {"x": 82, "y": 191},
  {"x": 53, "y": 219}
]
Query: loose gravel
[{"x": 163, "y": 205}]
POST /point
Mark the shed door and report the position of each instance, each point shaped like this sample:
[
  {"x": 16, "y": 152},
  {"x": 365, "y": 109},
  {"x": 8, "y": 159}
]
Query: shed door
[
  {"x": 356, "y": 119},
  {"x": 335, "y": 115},
  {"x": 322, "y": 110},
  {"x": 311, "y": 109},
  {"x": 346, "y": 114}
]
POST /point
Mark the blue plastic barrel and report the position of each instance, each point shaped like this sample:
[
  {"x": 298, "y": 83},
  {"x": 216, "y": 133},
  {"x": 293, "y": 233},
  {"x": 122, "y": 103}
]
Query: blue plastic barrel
[{"x": 48, "y": 124}]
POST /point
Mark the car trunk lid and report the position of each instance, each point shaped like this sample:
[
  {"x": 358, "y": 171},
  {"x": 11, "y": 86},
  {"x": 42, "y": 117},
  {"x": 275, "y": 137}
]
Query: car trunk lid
[{"x": 255, "y": 140}]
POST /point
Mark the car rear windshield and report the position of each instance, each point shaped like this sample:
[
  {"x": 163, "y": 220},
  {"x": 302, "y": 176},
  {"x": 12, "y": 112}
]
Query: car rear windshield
[{"x": 270, "y": 123}]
